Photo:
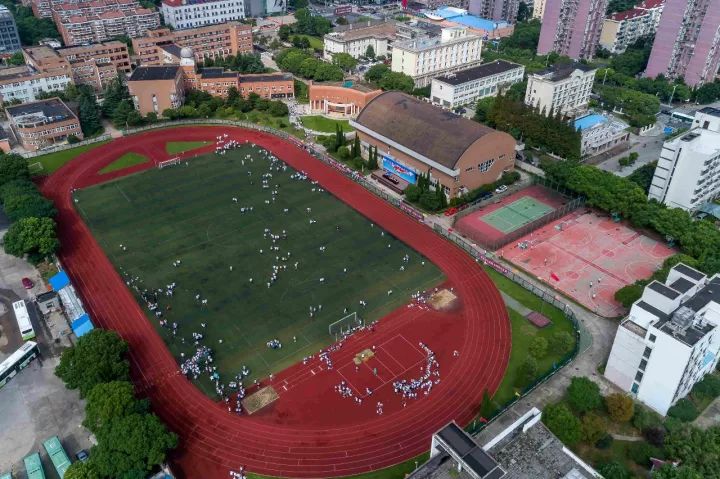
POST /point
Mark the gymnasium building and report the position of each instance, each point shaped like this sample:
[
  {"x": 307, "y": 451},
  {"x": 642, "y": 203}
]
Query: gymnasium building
[{"x": 414, "y": 137}]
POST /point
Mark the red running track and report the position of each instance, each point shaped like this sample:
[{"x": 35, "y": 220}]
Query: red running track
[{"x": 310, "y": 431}]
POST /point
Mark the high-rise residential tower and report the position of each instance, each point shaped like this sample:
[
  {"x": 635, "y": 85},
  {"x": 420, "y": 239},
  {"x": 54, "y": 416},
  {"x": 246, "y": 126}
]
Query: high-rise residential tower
[
  {"x": 495, "y": 9},
  {"x": 690, "y": 42},
  {"x": 572, "y": 27}
]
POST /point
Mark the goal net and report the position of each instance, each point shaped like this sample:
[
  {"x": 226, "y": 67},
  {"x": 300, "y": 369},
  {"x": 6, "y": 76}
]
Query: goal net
[
  {"x": 345, "y": 326},
  {"x": 170, "y": 162}
]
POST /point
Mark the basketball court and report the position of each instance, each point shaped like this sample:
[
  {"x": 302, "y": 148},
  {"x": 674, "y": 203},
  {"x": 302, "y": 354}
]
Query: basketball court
[
  {"x": 494, "y": 221},
  {"x": 588, "y": 257}
]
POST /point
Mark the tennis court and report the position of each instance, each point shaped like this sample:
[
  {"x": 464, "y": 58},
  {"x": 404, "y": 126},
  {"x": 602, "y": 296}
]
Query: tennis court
[{"x": 516, "y": 214}]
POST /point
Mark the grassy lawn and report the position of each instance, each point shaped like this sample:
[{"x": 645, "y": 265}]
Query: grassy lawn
[
  {"x": 162, "y": 216},
  {"x": 174, "y": 147},
  {"x": 620, "y": 451},
  {"x": 325, "y": 125},
  {"x": 316, "y": 43},
  {"x": 125, "y": 161},
  {"x": 53, "y": 161},
  {"x": 523, "y": 332}
]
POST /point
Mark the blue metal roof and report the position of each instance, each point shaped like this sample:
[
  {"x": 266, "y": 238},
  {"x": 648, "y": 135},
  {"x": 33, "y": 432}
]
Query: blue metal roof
[
  {"x": 462, "y": 17},
  {"x": 82, "y": 325},
  {"x": 59, "y": 281}
]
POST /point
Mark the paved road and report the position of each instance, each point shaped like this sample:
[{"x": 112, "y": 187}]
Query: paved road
[{"x": 647, "y": 147}]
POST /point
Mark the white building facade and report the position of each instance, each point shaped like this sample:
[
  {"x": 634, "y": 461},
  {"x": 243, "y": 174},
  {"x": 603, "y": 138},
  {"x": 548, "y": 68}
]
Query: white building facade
[
  {"x": 24, "y": 83},
  {"x": 600, "y": 133},
  {"x": 563, "y": 88},
  {"x": 355, "y": 39},
  {"x": 688, "y": 171},
  {"x": 426, "y": 58},
  {"x": 670, "y": 339},
  {"x": 468, "y": 86},
  {"x": 192, "y": 13}
]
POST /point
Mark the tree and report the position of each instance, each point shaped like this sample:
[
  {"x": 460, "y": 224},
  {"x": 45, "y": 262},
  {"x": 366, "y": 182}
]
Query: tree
[
  {"x": 376, "y": 72},
  {"x": 28, "y": 205},
  {"x": 132, "y": 444},
  {"x": 88, "y": 115},
  {"x": 341, "y": 21},
  {"x": 355, "y": 153},
  {"x": 370, "y": 52},
  {"x": 562, "y": 342},
  {"x": 284, "y": 32},
  {"x": 620, "y": 407},
  {"x": 34, "y": 237},
  {"x": 98, "y": 357},
  {"x": 114, "y": 93},
  {"x": 397, "y": 81},
  {"x": 373, "y": 159},
  {"x": 562, "y": 422},
  {"x": 82, "y": 470},
  {"x": 528, "y": 370},
  {"x": 343, "y": 153},
  {"x": 614, "y": 470},
  {"x": 121, "y": 113},
  {"x": 16, "y": 59},
  {"x": 668, "y": 471},
  {"x": 583, "y": 395},
  {"x": 13, "y": 167},
  {"x": 110, "y": 400},
  {"x": 523, "y": 12},
  {"x": 685, "y": 410},
  {"x": 594, "y": 427},
  {"x": 709, "y": 387},
  {"x": 695, "y": 448},
  {"x": 344, "y": 61},
  {"x": 538, "y": 347},
  {"x": 482, "y": 108}
]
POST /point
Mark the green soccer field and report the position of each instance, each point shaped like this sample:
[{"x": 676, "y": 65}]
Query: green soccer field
[
  {"x": 187, "y": 213},
  {"x": 516, "y": 214}
]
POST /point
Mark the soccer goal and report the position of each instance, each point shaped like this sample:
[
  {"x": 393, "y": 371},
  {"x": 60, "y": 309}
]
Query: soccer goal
[
  {"x": 170, "y": 162},
  {"x": 35, "y": 168},
  {"x": 345, "y": 325}
]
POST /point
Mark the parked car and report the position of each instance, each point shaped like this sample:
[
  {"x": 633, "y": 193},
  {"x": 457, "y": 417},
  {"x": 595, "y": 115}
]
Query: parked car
[
  {"x": 27, "y": 283},
  {"x": 82, "y": 456},
  {"x": 501, "y": 189}
]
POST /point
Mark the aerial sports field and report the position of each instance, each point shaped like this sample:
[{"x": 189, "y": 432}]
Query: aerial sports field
[{"x": 309, "y": 430}]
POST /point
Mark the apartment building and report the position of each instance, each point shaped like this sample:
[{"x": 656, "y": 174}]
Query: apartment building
[
  {"x": 571, "y": 27},
  {"x": 495, "y": 9},
  {"x": 414, "y": 137},
  {"x": 355, "y": 38},
  {"x": 91, "y": 23},
  {"x": 688, "y": 171},
  {"x": 9, "y": 37},
  {"x": 43, "y": 123},
  {"x": 231, "y": 38},
  {"x": 23, "y": 83},
  {"x": 182, "y": 14},
  {"x": 687, "y": 42},
  {"x": 468, "y": 86},
  {"x": 622, "y": 29},
  {"x": 156, "y": 88},
  {"x": 669, "y": 340},
  {"x": 563, "y": 88},
  {"x": 95, "y": 65},
  {"x": 426, "y": 58},
  {"x": 538, "y": 9}
]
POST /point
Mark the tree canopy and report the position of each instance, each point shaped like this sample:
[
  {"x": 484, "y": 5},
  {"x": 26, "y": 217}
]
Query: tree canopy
[
  {"x": 563, "y": 423},
  {"x": 109, "y": 400},
  {"x": 31, "y": 236},
  {"x": 13, "y": 167},
  {"x": 304, "y": 64},
  {"x": 583, "y": 395},
  {"x": 620, "y": 407},
  {"x": 696, "y": 449},
  {"x": 310, "y": 24},
  {"x": 344, "y": 61},
  {"x": 97, "y": 357}
]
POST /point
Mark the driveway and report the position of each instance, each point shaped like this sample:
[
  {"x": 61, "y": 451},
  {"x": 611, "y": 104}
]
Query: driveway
[{"x": 647, "y": 147}]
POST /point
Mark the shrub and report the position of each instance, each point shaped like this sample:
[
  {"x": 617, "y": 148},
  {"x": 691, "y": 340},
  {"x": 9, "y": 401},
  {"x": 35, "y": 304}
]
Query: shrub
[
  {"x": 640, "y": 453},
  {"x": 644, "y": 418},
  {"x": 614, "y": 470},
  {"x": 412, "y": 193},
  {"x": 343, "y": 153},
  {"x": 708, "y": 387},
  {"x": 655, "y": 435},
  {"x": 594, "y": 427},
  {"x": 562, "y": 342},
  {"x": 528, "y": 371},
  {"x": 684, "y": 410},
  {"x": 538, "y": 347},
  {"x": 583, "y": 394},
  {"x": 562, "y": 422},
  {"x": 605, "y": 442},
  {"x": 620, "y": 407},
  {"x": 72, "y": 139}
]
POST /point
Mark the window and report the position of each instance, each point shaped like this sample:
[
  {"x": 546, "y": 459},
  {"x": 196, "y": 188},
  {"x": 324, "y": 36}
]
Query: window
[
  {"x": 646, "y": 353},
  {"x": 652, "y": 338},
  {"x": 639, "y": 376},
  {"x": 643, "y": 364},
  {"x": 635, "y": 388}
]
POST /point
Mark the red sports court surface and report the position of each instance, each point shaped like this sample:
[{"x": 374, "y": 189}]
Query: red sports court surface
[
  {"x": 472, "y": 225},
  {"x": 588, "y": 257},
  {"x": 310, "y": 431}
]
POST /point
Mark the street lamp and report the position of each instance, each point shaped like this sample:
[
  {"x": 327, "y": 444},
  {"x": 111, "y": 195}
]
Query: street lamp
[{"x": 672, "y": 95}]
